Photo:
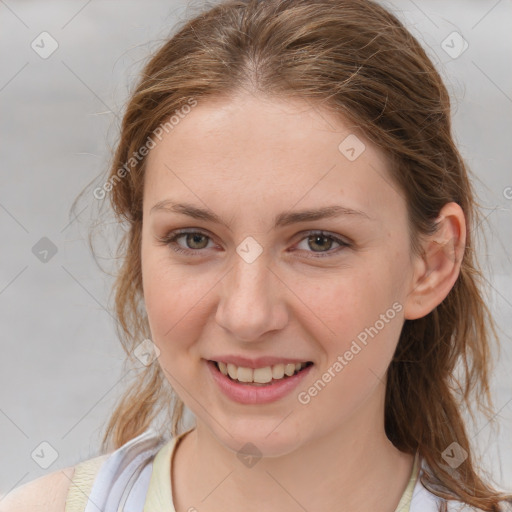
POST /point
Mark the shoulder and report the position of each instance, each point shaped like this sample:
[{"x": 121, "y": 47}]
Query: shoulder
[
  {"x": 47, "y": 493},
  {"x": 93, "y": 477}
]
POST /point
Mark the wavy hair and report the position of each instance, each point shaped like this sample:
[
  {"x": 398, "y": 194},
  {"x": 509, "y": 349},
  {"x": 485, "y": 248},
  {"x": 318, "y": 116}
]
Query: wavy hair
[{"x": 355, "y": 59}]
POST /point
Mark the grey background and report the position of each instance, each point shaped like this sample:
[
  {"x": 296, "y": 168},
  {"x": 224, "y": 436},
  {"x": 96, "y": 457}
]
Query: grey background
[{"x": 61, "y": 366}]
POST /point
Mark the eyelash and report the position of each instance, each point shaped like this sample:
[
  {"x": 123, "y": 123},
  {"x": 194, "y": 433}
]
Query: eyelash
[{"x": 171, "y": 238}]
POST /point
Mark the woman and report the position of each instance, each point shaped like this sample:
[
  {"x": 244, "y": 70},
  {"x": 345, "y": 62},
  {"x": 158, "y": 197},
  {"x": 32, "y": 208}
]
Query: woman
[{"x": 299, "y": 263}]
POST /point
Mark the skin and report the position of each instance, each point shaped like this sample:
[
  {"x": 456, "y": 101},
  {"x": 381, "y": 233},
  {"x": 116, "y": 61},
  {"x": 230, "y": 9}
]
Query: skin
[{"x": 249, "y": 158}]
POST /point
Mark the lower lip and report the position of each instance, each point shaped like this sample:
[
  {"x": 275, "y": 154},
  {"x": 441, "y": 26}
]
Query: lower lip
[{"x": 249, "y": 394}]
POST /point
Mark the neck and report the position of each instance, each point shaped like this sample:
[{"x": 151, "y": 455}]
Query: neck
[{"x": 351, "y": 468}]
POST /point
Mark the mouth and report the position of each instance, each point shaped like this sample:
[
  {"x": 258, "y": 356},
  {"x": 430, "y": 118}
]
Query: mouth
[{"x": 257, "y": 377}]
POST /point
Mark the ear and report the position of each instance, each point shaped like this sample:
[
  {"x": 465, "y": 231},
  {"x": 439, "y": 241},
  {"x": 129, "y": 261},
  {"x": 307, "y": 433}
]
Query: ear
[{"x": 438, "y": 267}]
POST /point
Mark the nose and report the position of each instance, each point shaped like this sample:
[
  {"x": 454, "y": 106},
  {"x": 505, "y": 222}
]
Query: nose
[{"x": 251, "y": 301}]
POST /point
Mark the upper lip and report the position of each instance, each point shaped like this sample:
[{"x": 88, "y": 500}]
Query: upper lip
[{"x": 258, "y": 362}]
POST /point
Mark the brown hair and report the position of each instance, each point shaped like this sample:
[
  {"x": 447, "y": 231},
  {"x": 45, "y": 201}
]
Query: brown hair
[{"x": 359, "y": 61}]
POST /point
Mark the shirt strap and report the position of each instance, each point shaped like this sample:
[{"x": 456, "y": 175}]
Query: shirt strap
[
  {"x": 82, "y": 482},
  {"x": 404, "y": 504}
]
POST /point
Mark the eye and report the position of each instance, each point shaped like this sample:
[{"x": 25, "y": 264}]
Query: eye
[
  {"x": 195, "y": 241},
  {"x": 319, "y": 239}
]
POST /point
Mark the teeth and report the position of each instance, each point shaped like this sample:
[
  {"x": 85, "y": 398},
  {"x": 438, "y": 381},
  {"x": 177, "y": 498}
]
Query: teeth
[
  {"x": 262, "y": 375},
  {"x": 244, "y": 374},
  {"x": 278, "y": 371},
  {"x": 259, "y": 375},
  {"x": 289, "y": 369},
  {"x": 233, "y": 371}
]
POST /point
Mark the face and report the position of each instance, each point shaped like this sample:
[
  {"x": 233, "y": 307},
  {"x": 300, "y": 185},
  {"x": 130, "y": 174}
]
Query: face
[{"x": 264, "y": 284}]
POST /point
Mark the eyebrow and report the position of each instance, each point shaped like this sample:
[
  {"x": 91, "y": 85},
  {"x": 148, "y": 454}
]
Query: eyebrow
[{"x": 283, "y": 219}]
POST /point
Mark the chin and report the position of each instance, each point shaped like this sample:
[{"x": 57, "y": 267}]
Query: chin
[{"x": 261, "y": 438}]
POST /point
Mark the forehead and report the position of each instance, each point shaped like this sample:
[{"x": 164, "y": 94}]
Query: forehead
[{"x": 251, "y": 148}]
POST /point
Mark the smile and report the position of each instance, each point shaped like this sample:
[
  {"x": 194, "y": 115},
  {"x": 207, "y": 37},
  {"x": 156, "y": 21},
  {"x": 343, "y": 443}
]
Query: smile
[
  {"x": 251, "y": 391},
  {"x": 260, "y": 375}
]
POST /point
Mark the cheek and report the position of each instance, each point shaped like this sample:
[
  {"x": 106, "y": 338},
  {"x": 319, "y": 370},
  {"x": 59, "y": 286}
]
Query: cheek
[
  {"x": 366, "y": 322},
  {"x": 171, "y": 298},
  {"x": 343, "y": 306},
  {"x": 171, "y": 305},
  {"x": 174, "y": 321},
  {"x": 358, "y": 318}
]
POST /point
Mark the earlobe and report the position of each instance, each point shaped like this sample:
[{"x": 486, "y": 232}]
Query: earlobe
[{"x": 437, "y": 269}]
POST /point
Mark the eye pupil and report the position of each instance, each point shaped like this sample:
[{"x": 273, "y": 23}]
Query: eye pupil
[
  {"x": 194, "y": 237},
  {"x": 316, "y": 238}
]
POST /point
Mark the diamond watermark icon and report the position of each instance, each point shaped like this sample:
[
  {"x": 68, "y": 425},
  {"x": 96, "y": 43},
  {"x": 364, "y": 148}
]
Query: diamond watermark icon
[
  {"x": 249, "y": 455},
  {"x": 454, "y": 455},
  {"x": 249, "y": 249},
  {"x": 44, "y": 250},
  {"x": 454, "y": 45},
  {"x": 44, "y": 455},
  {"x": 351, "y": 147},
  {"x": 146, "y": 352},
  {"x": 44, "y": 45}
]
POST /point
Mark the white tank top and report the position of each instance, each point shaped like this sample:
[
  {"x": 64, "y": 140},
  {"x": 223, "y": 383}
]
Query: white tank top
[{"x": 124, "y": 481}]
